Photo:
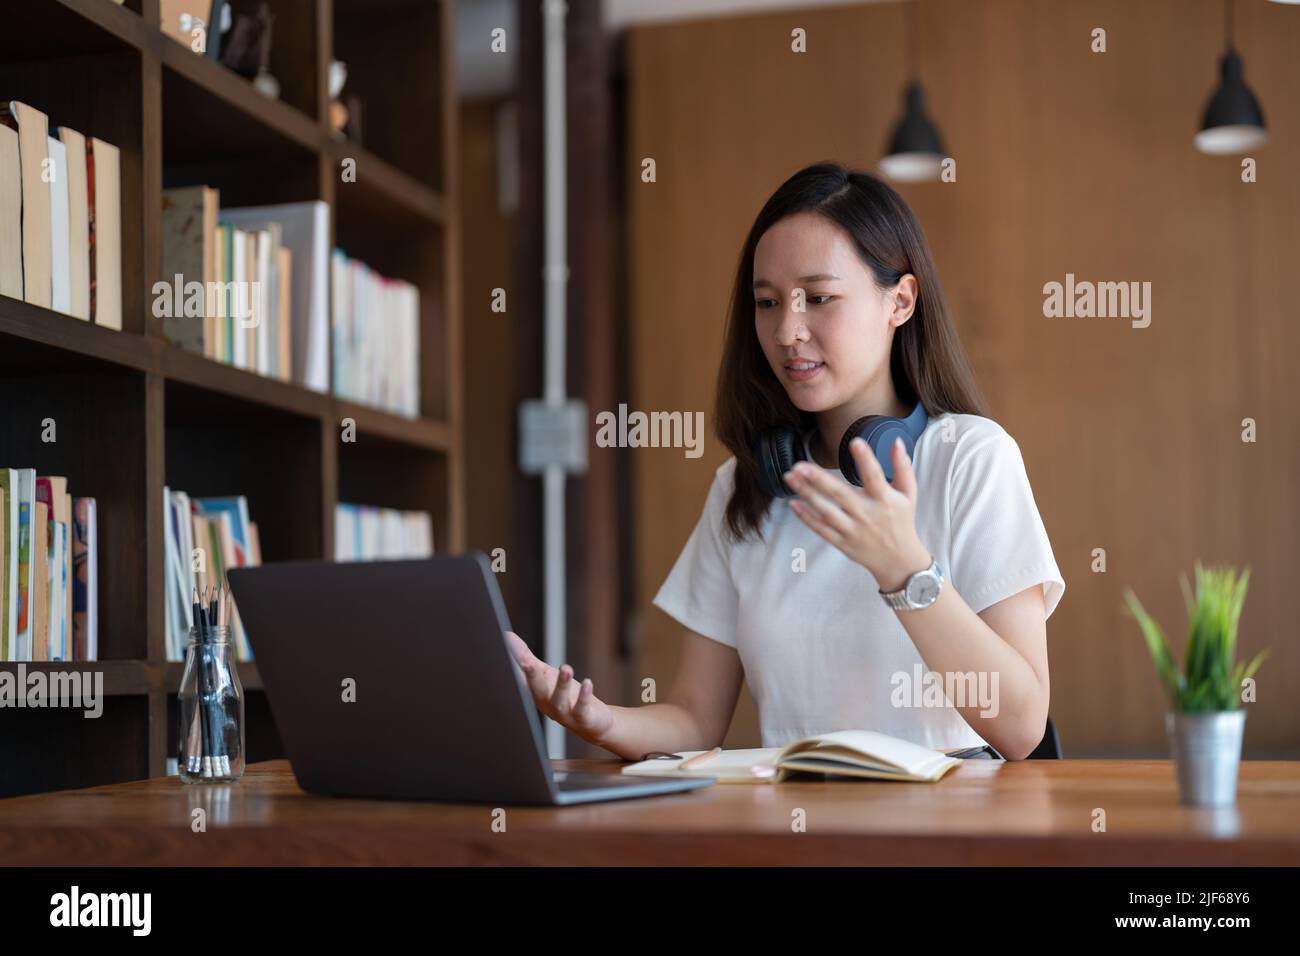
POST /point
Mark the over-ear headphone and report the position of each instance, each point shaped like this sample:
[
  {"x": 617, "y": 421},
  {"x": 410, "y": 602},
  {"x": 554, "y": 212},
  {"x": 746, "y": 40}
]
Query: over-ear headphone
[{"x": 778, "y": 449}]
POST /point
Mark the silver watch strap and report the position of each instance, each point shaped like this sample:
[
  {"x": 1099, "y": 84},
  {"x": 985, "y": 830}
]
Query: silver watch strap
[{"x": 898, "y": 600}]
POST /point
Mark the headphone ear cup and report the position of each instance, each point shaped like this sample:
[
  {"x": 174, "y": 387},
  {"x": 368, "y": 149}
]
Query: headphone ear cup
[
  {"x": 849, "y": 467},
  {"x": 879, "y": 432},
  {"x": 778, "y": 450}
]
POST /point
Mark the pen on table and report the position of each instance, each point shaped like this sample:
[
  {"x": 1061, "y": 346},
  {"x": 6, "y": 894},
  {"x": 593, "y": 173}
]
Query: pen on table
[
  {"x": 194, "y": 756},
  {"x": 218, "y": 614},
  {"x": 202, "y": 688},
  {"x": 219, "y": 759},
  {"x": 214, "y": 687},
  {"x": 213, "y": 707},
  {"x": 699, "y": 758}
]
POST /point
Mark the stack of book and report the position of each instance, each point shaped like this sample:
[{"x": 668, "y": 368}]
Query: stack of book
[
  {"x": 60, "y": 217},
  {"x": 204, "y": 537},
  {"x": 49, "y": 608},
  {"x": 364, "y": 533},
  {"x": 376, "y": 338},
  {"x": 246, "y": 286}
]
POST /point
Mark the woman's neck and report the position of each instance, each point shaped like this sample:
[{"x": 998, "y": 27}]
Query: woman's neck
[{"x": 834, "y": 422}]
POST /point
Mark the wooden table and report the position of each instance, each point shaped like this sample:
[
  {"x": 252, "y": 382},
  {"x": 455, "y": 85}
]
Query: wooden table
[{"x": 1036, "y": 812}]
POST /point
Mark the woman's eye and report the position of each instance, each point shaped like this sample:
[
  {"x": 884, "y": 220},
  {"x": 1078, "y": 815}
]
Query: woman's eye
[{"x": 812, "y": 299}]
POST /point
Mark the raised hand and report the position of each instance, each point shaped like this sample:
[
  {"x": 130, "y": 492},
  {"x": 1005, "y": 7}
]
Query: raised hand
[
  {"x": 560, "y": 697},
  {"x": 875, "y": 525}
]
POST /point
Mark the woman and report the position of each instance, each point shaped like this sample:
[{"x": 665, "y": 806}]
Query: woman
[{"x": 837, "y": 313}]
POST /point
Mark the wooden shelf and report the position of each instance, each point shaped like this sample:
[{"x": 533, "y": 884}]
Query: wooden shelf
[
  {"x": 121, "y": 678},
  {"x": 33, "y": 335},
  {"x": 388, "y": 197},
  {"x": 415, "y": 432},
  {"x": 178, "y": 365},
  {"x": 136, "y": 413},
  {"x": 216, "y": 93},
  {"x": 70, "y": 28},
  {"x": 126, "y": 678},
  {"x": 36, "y": 337}
]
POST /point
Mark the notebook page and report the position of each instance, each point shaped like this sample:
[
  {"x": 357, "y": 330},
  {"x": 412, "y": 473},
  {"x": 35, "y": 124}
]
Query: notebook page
[
  {"x": 732, "y": 764},
  {"x": 880, "y": 748}
]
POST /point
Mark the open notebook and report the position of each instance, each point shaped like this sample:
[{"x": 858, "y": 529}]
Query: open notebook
[{"x": 853, "y": 753}]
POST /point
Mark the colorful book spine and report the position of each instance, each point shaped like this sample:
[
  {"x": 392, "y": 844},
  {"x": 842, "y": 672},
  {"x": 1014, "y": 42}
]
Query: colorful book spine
[
  {"x": 85, "y": 585},
  {"x": 22, "y": 648}
]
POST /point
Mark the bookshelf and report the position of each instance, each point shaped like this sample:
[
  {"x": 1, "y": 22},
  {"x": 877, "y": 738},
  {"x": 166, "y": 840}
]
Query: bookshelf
[{"x": 135, "y": 413}]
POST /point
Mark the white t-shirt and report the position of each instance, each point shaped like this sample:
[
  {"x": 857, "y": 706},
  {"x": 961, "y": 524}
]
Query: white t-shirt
[{"x": 820, "y": 648}]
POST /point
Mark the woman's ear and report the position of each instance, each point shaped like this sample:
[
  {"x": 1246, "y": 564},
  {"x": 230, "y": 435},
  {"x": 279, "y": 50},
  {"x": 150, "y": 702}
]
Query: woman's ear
[{"x": 904, "y": 300}]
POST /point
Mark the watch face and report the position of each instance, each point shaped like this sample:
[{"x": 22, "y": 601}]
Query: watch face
[{"x": 923, "y": 589}]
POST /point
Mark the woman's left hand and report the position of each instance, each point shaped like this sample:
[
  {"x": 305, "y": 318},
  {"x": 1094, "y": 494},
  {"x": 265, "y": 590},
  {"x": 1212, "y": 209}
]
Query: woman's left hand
[{"x": 875, "y": 525}]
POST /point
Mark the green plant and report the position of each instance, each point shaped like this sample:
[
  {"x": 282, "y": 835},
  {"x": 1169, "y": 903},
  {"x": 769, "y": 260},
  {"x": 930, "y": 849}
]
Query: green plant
[{"x": 1210, "y": 681}]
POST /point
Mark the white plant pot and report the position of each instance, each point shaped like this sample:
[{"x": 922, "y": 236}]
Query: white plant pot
[{"x": 1207, "y": 752}]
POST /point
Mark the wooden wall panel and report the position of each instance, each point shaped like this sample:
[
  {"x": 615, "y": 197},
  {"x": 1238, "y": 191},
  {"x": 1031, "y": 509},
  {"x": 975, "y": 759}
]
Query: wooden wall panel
[
  {"x": 1068, "y": 161},
  {"x": 489, "y": 416}
]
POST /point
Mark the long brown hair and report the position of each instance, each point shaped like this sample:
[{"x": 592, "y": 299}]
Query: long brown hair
[{"x": 926, "y": 361}]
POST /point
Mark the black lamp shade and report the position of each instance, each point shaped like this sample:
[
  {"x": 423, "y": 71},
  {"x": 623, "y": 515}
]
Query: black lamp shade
[
  {"x": 1233, "y": 121},
  {"x": 915, "y": 151}
]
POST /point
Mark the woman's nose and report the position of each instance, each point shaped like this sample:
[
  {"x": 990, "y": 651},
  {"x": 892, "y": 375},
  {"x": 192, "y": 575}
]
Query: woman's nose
[{"x": 791, "y": 328}]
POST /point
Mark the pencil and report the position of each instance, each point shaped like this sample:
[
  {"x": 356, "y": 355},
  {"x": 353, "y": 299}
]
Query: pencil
[{"x": 699, "y": 759}]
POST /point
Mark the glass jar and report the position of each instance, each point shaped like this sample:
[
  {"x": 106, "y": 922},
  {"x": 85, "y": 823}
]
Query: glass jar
[{"x": 212, "y": 710}]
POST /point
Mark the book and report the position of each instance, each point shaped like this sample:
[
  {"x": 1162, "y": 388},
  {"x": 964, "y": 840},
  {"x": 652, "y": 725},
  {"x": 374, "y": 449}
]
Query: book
[
  {"x": 186, "y": 22},
  {"x": 68, "y": 518},
  {"x": 189, "y": 219},
  {"x": 305, "y": 231},
  {"x": 33, "y": 128},
  {"x": 264, "y": 242},
  {"x": 239, "y": 312},
  {"x": 250, "y": 319},
  {"x": 53, "y": 491},
  {"x": 236, "y": 506},
  {"x": 104, "y": 169},
  {"x": 11, "y": 215},
  {"x": 60, "y": 246},
  {"x": 180, "y": 567},
  {"x": 214, "y": 336},
  {"x": 21, "y": 647},
  {"x": 57, "y": 590},
  {"x": 202, "y": 538},
  {"x": 78, "y": 226},
  {"x": 9, "y": 578},
  {"x": 232, "y": 556},
  {"x": 227, "y": 331},
  {"x": 39, "y": 579},
  {"x": 849, "y": 753},
  {"x": 366, "y": 533},
  {"x": 91, "y": 253},
  {"x": 376, "y": 337},
  {"x": 283, "y": 310},
  {"x": 85, "y": 585}
]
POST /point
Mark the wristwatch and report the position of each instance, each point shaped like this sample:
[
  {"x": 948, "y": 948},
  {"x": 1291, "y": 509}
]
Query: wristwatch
[{"x": 920, "y": 590}]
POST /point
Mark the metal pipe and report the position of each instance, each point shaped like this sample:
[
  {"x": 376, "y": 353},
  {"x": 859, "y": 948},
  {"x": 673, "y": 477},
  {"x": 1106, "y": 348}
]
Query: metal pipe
[{"x": 555, "y": 277}]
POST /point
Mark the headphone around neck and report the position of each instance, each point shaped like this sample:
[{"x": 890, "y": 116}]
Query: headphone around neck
[{"x": 778, "y": 449}]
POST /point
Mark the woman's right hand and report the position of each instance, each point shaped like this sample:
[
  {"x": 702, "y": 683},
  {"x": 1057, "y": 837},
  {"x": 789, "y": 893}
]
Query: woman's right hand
[{"x": 560, "y": 697}]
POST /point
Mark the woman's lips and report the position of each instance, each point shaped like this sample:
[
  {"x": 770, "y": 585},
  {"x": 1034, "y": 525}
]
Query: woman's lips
[{"x": 803, "y": 371}]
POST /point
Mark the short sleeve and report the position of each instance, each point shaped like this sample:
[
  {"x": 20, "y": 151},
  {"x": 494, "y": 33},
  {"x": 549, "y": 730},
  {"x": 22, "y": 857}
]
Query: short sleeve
[
  {"x": 699, "y": 592},
  {"x": 998, "y": 545}
]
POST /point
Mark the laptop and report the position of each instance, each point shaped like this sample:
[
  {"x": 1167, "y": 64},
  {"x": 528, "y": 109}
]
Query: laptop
[{"x": 441, "y": 708}]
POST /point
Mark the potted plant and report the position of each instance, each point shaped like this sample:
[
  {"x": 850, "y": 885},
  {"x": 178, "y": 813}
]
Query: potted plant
[{"x": 1205, "y": 723}]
